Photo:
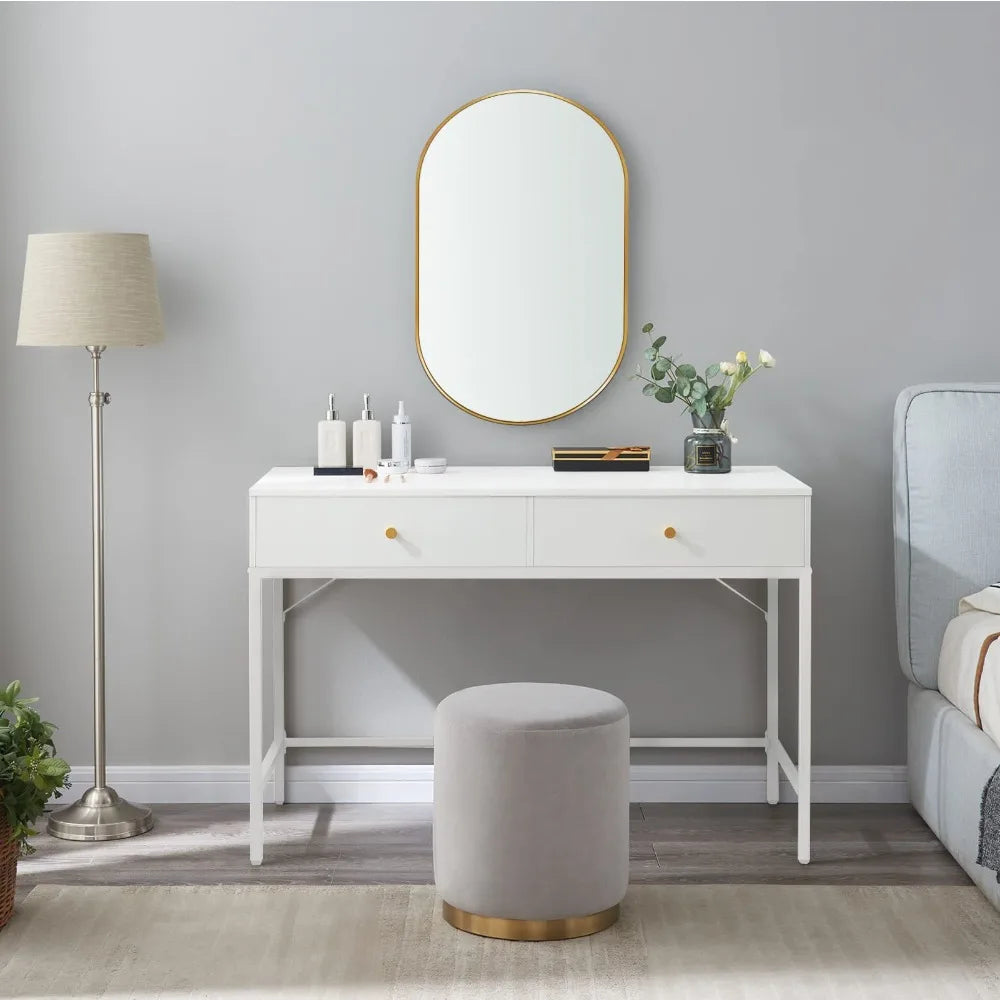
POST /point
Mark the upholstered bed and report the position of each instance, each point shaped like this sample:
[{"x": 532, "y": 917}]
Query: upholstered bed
[{"x": 946, "y": 513}]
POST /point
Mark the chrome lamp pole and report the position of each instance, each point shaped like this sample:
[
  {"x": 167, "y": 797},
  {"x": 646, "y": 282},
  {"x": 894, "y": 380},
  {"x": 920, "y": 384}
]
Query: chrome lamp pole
[
  {"x": 101, "y": 813},
  {"x": 84, "y": 289}
]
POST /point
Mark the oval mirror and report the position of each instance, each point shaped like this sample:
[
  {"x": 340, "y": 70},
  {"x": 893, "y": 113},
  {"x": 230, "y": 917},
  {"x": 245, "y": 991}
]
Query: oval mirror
[{"x": 522, "y": 257}]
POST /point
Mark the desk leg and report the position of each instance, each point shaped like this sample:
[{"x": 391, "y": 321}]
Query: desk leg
[
  {"x": 805, "y": 712},
  {"x": 771, "y": 733},
  {"x": 278, "y": 670},
  {"x": 256, "y": 686}
]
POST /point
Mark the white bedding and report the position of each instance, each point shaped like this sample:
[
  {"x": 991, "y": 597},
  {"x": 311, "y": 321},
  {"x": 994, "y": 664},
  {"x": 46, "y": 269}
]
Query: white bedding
[
  {"x": 987, "y": 599},
  {"x": 969, "y": 668}
]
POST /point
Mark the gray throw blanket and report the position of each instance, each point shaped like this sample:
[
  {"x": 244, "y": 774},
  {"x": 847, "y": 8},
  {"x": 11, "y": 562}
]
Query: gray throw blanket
[{"x": 989, "y": 825}]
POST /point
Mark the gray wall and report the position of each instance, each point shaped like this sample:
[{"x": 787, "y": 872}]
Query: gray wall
[{"x": 819, "y": 180}]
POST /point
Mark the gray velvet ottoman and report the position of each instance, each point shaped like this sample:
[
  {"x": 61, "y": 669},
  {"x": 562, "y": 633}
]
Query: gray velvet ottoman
[{"x": 531, "y": 809}]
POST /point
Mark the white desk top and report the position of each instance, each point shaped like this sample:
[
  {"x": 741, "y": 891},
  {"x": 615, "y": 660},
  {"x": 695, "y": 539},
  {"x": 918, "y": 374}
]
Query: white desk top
[{"x": 536, "y": 480}]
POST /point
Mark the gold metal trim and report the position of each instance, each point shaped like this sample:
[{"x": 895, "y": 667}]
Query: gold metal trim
[
  {"x": 529, "y": 930},
  {"x": 602, "y": 454},
  {"x": 621, "y": 353}
]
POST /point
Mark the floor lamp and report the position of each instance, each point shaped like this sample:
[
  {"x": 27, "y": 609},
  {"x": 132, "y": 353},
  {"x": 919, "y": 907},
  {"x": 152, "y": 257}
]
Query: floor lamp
[{"x": 93, "y": 290}]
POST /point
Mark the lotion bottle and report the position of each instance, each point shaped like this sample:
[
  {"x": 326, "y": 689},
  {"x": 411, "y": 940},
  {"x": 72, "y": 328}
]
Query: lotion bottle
[
  {"x": 367, "y": 438},
  {"x": 402, "y": 440},
  {"x": 331, "y": 450}
]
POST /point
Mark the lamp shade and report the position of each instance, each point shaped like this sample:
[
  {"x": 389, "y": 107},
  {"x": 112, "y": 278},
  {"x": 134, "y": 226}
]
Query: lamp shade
[{"x": 89, "y": 290}]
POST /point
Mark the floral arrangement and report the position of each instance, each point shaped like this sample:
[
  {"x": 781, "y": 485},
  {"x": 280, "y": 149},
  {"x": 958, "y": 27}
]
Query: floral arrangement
[{"x": 670, "y": 379}]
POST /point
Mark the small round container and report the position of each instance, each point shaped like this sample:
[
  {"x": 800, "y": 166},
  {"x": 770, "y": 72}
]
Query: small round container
[{"x": 430, "y": 466}]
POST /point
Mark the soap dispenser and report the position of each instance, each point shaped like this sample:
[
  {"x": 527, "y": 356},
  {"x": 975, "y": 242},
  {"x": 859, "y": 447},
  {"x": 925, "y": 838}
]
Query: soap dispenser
[
  {"x": 402, "y": 440},
  {"x": 367, "y": 438},
  {"x": 331, "y": 442}
]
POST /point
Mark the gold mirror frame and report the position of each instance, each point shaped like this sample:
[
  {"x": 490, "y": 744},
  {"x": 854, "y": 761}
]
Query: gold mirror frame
[{"x": 621, "y": 353}]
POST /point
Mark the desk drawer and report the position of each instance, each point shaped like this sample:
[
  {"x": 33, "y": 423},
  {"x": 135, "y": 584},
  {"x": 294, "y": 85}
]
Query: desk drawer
[
  {"x": 349, "y": 532},
  {"x": 709, "y": 531}
]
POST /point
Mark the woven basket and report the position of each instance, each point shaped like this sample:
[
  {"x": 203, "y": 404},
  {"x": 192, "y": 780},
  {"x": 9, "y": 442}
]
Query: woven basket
[{"x": 8, "y": 872}]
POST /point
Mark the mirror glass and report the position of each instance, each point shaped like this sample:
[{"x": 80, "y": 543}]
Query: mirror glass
[{"x": 522, "y": 257}]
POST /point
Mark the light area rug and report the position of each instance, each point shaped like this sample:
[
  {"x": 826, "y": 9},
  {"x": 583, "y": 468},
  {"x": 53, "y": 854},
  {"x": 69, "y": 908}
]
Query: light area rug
[{"x": 356, "y": 943}]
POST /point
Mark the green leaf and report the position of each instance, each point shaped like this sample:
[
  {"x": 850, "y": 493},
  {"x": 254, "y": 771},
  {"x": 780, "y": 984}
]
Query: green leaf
[
  {"x": 647, "y": 328},
  {"x": 688, "y": 371},
  {"x": 665, "y": 394},
  {"x": 712, "y": 370},
  {"x": 698, "y": 390},
  {"x": 683, "y": 384},
  {"x": 659, "y": 342},
  {"x": 53, "y": 767},
  {"x": 649, "y": 389},
  {"x": 660, "y": 369},
  {"x": 650, "y": 353},
  {"x": 700, "y": 407},
  {"x": 715, "y": 393}
]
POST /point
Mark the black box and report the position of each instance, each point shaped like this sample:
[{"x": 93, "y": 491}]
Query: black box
[{"x": 630, "y": 459}]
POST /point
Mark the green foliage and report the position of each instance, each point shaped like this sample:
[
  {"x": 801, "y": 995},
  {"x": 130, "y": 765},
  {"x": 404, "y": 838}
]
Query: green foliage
[
  {"x": 660, "y": 369},
  {"x": 714, "y": 396},
  {"x": 671, "y": 379},
  {"x": 30, "y": 772}
]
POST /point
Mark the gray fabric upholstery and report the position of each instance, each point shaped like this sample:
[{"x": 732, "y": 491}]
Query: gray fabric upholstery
[
  {"x": 946, "y": 496},
  {"x": 527, "y": 707},
  {"x": 531, "y": 793},
  {"x": 949, "y": 762}
]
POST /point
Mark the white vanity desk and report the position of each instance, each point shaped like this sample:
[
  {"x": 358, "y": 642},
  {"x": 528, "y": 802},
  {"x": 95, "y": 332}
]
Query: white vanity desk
[{"x": 529, "y": 523}]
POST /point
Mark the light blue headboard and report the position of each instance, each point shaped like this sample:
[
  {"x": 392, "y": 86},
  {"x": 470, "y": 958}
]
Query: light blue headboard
[{"x": 946, "y": 511}]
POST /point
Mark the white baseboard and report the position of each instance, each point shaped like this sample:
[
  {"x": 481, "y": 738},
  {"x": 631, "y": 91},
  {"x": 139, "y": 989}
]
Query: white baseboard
[{"x": 414, "y": 783}]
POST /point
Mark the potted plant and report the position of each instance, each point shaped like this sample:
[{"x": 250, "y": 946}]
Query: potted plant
[
  {"x": 706, "y": 397},
  {"x": 30, "y": 775}
]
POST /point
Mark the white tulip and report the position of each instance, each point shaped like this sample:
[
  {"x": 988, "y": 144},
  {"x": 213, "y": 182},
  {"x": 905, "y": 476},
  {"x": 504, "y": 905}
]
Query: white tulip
[
  {"x": 766, "y": 359},
  {"x": 727, "y": 368}
]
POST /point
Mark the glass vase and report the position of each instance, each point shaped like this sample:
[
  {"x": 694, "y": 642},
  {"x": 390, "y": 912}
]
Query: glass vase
[{"x": 708, "y": 449}]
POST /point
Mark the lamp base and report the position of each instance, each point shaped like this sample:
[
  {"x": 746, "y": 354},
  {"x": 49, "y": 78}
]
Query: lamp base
[{"x": 100, "y": 814}]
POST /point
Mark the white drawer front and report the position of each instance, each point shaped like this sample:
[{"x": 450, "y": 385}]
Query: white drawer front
[
  {"x": 351, "y": 532},
  {"x": 710, "y": 531}
]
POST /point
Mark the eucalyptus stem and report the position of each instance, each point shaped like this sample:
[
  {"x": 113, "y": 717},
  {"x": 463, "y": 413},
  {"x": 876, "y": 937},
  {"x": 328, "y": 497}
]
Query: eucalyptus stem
[{"x": 677, "y": 395}]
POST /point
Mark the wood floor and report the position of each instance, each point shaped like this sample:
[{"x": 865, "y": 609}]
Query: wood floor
[{"x": 371, "y": 843}]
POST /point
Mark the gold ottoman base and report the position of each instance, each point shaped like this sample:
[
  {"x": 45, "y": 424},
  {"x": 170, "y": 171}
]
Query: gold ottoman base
[{"x": 529, "y": 930}]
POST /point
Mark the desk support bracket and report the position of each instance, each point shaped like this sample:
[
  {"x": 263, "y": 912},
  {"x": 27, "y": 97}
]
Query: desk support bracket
[
  {"x": 742, "y": 597},
  {"x": 312, "y": 593}
]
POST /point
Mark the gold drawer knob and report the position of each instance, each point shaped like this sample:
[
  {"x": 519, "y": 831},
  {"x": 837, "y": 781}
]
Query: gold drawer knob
[
  {"x": 670, "y": 532},
  {"x": 391, "y": 532}
]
